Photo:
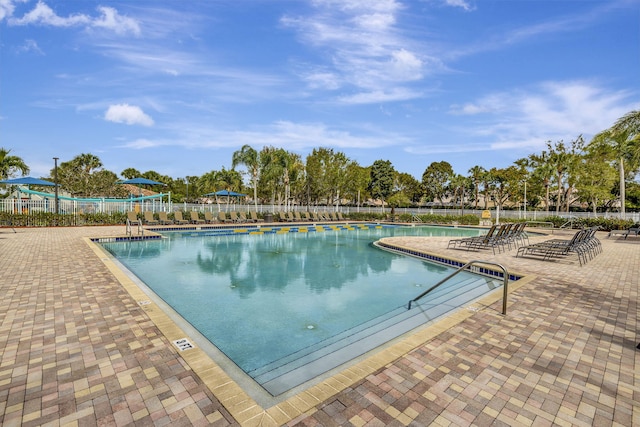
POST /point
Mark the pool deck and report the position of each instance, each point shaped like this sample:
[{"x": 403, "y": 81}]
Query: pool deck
[{"x": 79, "y": 348}]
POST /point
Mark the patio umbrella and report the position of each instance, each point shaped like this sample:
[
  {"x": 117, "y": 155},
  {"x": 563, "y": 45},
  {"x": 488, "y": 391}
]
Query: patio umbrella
[
  {"x": 27, "y": 180},
  {"x": 141, "y": 181},
  {"x": 226, "y": 193}
]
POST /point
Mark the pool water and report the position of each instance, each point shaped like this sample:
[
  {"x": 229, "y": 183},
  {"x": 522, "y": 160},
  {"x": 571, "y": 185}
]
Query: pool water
[{"x": 268, "y": 300}]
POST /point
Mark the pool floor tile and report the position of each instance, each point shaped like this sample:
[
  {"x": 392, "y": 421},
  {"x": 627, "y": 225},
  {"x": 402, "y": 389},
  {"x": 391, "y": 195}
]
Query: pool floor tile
[{"x": 78, "y": 348}]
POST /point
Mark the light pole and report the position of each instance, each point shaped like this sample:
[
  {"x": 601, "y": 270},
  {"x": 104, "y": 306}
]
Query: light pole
[
  {"x": 525, "y": 200},
  {"x": 55, "y": 180}
]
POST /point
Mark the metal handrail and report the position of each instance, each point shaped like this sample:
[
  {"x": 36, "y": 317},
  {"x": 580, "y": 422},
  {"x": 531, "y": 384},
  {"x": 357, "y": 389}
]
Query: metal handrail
[
  {"x": 129, "y": 230},
  {"x": 505, "y": 284}
]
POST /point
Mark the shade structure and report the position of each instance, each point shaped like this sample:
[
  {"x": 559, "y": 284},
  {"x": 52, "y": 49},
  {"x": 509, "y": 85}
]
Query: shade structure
[
  {"x": 141, "y": 181},
  {"x": 27, "y": 180},
  {"x": 226, "y": 193}
]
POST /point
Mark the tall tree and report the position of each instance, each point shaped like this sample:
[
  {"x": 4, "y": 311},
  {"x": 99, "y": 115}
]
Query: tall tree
[
  {"x": 382, "y": 180},
  {"x": 409, "y": 186},
  {"x": 10, "y": 165},
  {"x": 435, "y": 179},
  {"x": 596, "y": 176},
  {"x": 543, "y": 172},
  {"x": 326, "y": 172},
  {"x": 357, "y": 182},
  {"x": 248, "y": 157},
  {"x": 476, "y": 173},
  {"x": 76, "y": 174}
]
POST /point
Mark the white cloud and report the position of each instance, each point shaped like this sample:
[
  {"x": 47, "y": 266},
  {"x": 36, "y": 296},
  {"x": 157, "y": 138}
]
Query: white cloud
[
  {"x": 549, "y": 111},
  {"x": 119, "y": 24},
  {"x": 6, "y": 8},
  {"x": 30, "y": 45},
  {"x": 290, "y": 135},
  {"x": 459, "y": 3},
  {"x": 128, "y": 114},
  {"x": 364, "y": 50},
  {"x": 392, "y": 95},
  {"x": 42, "y": 14}
]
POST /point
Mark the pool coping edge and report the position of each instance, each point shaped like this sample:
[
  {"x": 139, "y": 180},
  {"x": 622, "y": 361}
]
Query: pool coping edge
[{"x": 247, "y": 411}]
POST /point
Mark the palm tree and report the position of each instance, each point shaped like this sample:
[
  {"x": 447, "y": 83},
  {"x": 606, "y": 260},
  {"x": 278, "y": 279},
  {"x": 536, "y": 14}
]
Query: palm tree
[
  {"x": 9, "y": 165},
  {"x": 621, "y": 146},
  {"x": 248, "y": 157},
  {"x": 624, "y": 139}
]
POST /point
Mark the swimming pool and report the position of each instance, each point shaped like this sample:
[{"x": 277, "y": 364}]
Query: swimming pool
[{"x": 286, "y": 304}]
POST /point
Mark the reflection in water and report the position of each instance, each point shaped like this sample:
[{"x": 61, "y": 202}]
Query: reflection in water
[{"x": 259, "y": 298}]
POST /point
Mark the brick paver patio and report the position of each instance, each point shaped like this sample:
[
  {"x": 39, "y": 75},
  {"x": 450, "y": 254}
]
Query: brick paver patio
[{"x": 78, "y": 349}]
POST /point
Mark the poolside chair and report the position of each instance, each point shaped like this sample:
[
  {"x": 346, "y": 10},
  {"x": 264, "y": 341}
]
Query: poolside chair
[
  {"x": 584, "y": 244},
  {"x": 634, "y": 230},
  {"x": 282, "y": 216},
  {"x": 242, "y": 217},
  {"x": 333, "y": 216},
  {"x": 454, "y": 243},
  {"x": 254, "y": 217},
  {"x": 208, "y": 218},
  {"x": 307, "y": 216},
  {"x": 164, "y": 220},
  {"x": 222, "y": 217},
  {"x": 133, "y": 219},
  {"x": 290, "y": 217},
  {"x": 178, "y": 219},
  {"x": 195, "y": 218},
  {"x": 340, "y": 217},
  {"x": 149, "y": 219},
  {"x": 297, "y": 216},
  {"x": 233, "y": 216},
  {"x": 479, "y": 242},
  {"x": 315, "y": 217}
]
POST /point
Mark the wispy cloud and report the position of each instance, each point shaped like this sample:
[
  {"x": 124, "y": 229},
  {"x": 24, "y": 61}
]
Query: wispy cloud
[
  {"x": 108, "y": 18},
  {"x": 463, "y": 4},
  {"x": 295, "y": 136},
  {"x": 549, "y": 111},
  {"x": 364, "y": 50},
  {"x": 568, "y": 23},
  {"x": 30, "y": 45}
]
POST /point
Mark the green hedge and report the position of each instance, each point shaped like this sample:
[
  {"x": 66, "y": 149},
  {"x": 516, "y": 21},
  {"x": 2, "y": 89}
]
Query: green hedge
[{"x": 47, "y": 219}]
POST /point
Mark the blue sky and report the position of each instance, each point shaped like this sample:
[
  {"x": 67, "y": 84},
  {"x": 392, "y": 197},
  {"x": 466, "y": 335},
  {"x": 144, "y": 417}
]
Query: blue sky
[{"x": 178, "y": 86}]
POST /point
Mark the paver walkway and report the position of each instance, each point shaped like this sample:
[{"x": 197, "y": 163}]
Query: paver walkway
[{"x": 78, "y": 350}]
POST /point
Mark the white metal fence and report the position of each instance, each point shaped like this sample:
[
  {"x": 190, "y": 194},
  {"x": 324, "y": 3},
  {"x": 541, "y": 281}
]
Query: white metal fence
[{"x": 29, "y": 206}]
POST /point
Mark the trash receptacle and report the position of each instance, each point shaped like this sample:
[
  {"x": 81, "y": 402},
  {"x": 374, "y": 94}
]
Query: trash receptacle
[{"x": 268, "y": 217}]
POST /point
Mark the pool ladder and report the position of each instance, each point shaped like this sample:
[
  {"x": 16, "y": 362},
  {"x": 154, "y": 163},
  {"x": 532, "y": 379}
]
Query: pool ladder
[
  {"x": 129, "y": 229},
  {"x": 470, "y": 263}
]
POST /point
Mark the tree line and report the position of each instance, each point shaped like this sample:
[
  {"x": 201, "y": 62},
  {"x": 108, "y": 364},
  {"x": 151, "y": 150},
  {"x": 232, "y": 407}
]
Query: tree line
[{"x": 595, "y": 175}]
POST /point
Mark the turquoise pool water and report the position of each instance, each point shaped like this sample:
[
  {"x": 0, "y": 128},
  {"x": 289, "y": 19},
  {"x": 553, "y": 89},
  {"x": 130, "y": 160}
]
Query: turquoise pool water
[{"x": 268, "y": 300}]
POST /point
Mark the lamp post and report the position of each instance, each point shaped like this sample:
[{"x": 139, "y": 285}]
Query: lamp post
[
  {"x": 525, "y": 200},
  {"x": 55, "y": 180}
]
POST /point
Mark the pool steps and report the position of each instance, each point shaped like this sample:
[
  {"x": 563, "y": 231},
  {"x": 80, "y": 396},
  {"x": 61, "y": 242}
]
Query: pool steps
[{"x": 297, "y": 368}]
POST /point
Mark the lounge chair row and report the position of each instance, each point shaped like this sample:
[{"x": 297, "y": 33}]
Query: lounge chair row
[
  {"x": 584, "y": 243},
  {"x": 310, "y": 216},
  {"x": 239, "y": 217},
  {"x": 498, "y": 236},
  {"x": 148, "y": 218}
]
